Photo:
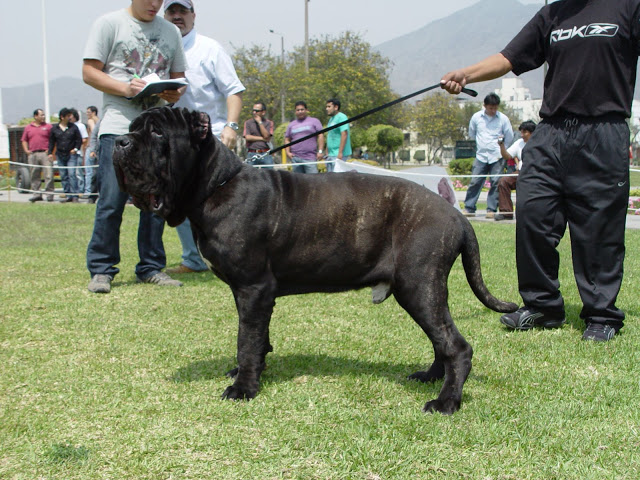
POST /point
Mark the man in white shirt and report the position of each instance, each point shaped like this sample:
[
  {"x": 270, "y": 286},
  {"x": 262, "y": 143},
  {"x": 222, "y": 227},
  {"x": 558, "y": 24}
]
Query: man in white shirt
[
  {"x": 486, "y": 127},
  {"x": 214, "y": 88},
  {"x": 507, "y": 184}
]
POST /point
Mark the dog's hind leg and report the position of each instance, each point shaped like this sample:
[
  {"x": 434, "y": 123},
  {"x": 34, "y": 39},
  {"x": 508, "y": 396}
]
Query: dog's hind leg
[
  {"x": 427, "y": 305},
  {"x": 255, "y": 306}
]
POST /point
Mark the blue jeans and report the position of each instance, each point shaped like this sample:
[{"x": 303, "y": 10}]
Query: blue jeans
[
  {"x": 79, "y": 172},
  {"x": 475, "y": 187},
  {"x": 89, "y": 162},
  {"x": 190, "y": 255},
  {"x": 312, "y": 168},
  {"x": 68, "y": 175},
  {"x": 253, "y": 158},
  {"x": 103, "y": 252},
  {"x": 331, "y": 166}
]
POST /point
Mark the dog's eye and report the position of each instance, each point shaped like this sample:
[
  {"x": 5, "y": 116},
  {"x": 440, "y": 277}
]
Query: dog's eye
[{"x": 155, "y": 132}]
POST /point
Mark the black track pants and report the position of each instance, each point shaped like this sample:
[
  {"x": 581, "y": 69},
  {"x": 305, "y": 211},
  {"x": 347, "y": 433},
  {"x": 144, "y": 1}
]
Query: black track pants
[{"x": 575, "y": 172}]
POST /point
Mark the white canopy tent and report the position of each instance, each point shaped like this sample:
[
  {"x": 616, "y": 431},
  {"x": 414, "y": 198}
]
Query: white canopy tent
[{"x": 434, "y": 178}]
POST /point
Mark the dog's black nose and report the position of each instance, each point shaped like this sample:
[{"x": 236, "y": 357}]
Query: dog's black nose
[{"x": 122, "y": 141}]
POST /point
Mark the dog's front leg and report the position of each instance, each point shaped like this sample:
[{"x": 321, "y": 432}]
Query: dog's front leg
[{"x": 255, "y": 305}]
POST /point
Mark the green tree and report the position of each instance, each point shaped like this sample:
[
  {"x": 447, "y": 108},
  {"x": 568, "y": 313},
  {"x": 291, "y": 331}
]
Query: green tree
[
  {"x": 27, "y": 120},
  {"x": 358, "y": 137},
  {"x": 278, "y": 134},
  {"x": 262, "y": 74},
  {"x": 437, "y": 119},
  {"x": 512, "y": 114},
  {"x": 345, "y": 67},
  {"x": 467, "y": 111},
  {"x": 383, "y": 140}
]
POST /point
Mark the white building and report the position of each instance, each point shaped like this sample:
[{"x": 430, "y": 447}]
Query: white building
[
  {"x": 517, "y": 96},
  {"x": 514, "y": 94},
  {"x": 635, "y": 113}
]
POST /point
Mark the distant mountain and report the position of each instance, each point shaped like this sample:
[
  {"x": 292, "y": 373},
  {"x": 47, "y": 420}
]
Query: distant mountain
[
  {"x": 20, "y": 102},
  {"x": 421, "y": 57}
]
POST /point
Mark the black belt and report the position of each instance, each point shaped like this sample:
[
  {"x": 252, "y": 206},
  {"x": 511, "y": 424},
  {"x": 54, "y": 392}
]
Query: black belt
[
  {"x": 258, "y": 150},
  {"x": 37, "y": 151},
  {"x": 567, "y": 120}
]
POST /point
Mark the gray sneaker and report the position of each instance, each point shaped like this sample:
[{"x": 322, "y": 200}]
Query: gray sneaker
[
  {"x": 100, "y": 284},
  {"x": 526, "y": 318},
  {"x": 161, "y": 279}
]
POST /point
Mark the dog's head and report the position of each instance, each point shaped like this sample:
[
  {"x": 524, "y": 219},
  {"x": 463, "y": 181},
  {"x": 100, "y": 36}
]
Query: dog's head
[{"x": 159, "y": 162}]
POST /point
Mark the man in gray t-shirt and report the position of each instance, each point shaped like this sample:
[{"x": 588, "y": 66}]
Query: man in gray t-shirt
[{"x": 124, "y": 47}]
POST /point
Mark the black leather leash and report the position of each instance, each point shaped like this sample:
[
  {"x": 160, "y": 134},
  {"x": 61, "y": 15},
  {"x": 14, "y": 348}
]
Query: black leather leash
[{"x": 468, "y": 91}]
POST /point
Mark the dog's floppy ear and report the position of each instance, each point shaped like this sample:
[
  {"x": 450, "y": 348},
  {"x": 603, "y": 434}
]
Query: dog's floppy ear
[{"x": 200, "y": 127}]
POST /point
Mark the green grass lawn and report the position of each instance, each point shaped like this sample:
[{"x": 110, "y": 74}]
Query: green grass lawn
[{"x": 127, "y": 385}]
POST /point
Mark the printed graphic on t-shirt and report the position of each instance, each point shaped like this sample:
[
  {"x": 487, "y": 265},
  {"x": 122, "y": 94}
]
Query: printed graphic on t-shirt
[
  {"x": 305, "y": 128},
  {"x": 591, "y": 30},
  {"x": 142, "y": 56}
]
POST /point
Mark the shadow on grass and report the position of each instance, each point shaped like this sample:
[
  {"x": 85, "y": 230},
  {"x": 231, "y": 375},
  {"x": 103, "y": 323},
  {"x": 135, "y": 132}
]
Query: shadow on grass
[
  {"x": 65, "y": 452},
  {"x": 289, "y": 367}
]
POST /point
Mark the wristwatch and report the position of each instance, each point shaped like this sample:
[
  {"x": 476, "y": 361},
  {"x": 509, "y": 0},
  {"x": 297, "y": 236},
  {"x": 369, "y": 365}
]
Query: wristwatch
[{"x": 232, "y": 125}]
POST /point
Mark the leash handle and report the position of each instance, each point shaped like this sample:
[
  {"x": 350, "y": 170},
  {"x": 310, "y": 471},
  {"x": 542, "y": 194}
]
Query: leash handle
[{"x": 468, "y": 91}]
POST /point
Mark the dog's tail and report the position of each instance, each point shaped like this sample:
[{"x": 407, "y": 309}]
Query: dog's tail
[{"x": 471, "y": 264}]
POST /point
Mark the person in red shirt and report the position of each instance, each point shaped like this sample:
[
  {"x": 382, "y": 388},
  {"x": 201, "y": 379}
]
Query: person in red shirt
[{"x": 35, "y": 142}]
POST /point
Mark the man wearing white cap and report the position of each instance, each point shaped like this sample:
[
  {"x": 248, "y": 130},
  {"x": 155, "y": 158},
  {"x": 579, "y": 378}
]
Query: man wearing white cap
[{"x": 214, "y": 88}]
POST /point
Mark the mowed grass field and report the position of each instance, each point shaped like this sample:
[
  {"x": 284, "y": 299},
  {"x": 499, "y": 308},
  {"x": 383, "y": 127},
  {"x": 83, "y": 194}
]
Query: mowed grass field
[{"x": 128, "y": 385}]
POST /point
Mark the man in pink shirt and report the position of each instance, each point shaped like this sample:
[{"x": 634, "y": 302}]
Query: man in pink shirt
[{"x": 35, "y": 142}]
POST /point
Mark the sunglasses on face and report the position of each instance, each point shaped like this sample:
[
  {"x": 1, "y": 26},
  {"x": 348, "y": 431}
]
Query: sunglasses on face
[{"x": 258, "y": 110}]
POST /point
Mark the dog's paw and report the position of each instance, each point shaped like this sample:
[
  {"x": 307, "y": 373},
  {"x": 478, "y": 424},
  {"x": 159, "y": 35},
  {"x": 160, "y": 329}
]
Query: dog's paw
[
  {"x": 233, "y": 373},
  {"x": 429, "y": 376},
  {"x": 446, "y": 407},
  {"x": 236, "y": 392}
]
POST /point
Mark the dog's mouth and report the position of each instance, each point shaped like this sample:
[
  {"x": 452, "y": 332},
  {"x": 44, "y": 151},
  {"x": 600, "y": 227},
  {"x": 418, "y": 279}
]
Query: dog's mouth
[
  {"x": 151, "y": 203},
  {"x": 148, "y": 202}
]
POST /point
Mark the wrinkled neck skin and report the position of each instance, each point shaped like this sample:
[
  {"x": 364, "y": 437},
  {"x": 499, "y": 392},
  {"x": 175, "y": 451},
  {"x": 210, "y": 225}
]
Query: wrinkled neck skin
[{"x": 214, "y": 166}]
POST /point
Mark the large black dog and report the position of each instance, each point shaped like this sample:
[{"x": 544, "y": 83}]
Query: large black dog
[{"x": 270, "y": 233}]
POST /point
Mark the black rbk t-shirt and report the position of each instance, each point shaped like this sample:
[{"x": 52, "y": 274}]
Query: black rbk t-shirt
[{"x": 592, "y": 49}]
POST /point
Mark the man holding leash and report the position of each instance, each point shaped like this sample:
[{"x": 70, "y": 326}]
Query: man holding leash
[
  {"x": 577, "y": 167},
  {"x": 214, "y": 88}
]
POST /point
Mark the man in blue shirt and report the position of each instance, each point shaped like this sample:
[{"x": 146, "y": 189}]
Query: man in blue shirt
[{"x": 486, "y": 127}]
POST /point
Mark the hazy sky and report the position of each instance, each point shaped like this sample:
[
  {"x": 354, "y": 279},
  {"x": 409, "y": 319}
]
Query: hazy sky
[{"x": 233, "y": 23}]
